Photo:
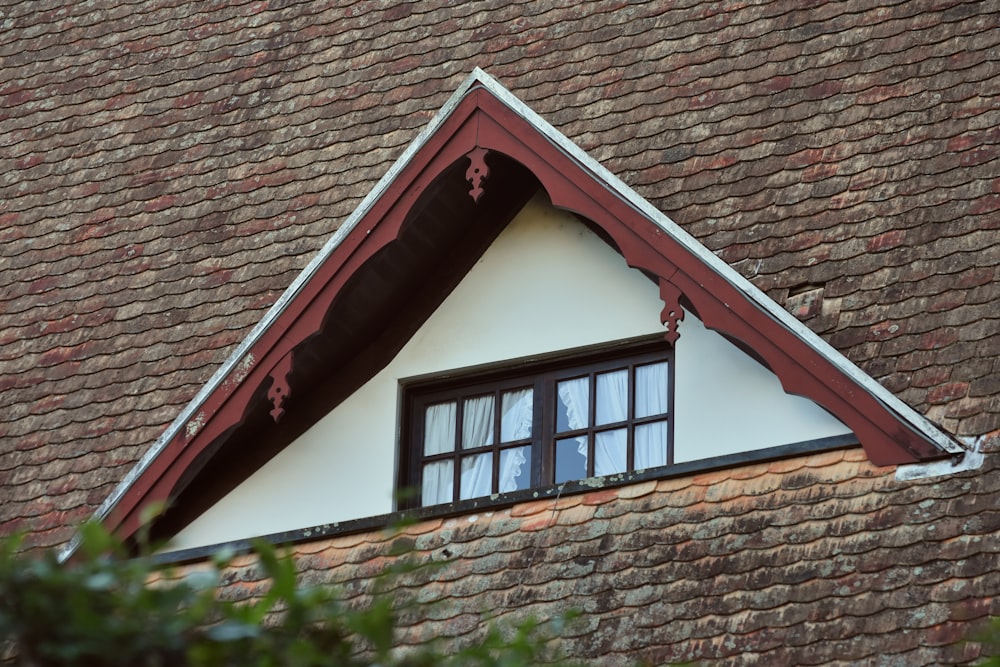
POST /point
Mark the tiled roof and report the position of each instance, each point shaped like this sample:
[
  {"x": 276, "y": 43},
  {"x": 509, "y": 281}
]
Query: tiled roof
[
  {"x": 167, "y": 168},
  {"x": 824, "y": 560}
]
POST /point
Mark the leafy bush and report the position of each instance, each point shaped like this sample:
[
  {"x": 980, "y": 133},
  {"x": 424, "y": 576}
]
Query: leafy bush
[
  {"x": 990, "y": 639},
  {"x": 103, "y": 609}
]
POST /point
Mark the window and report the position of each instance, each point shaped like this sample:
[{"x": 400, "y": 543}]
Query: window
[{"x": 545, "y": 424}]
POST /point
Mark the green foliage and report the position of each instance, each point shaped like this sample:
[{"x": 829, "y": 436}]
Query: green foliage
[
  {"x": 990, "y": 639},
  {"x": 105, "y": 610}
]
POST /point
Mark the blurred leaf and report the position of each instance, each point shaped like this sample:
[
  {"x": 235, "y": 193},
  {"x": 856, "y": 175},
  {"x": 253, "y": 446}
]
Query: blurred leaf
[
  {"x": 233, "y": 631},
  {"x": 96, "y": 611},
  {"x": 100, "y": 581}
]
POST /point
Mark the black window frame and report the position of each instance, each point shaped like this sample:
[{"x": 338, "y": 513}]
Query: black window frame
[{"x": 542, "y": 375}]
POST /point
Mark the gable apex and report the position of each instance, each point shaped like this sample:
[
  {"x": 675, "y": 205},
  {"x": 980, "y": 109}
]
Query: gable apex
[{"x": 483, "y": 118}]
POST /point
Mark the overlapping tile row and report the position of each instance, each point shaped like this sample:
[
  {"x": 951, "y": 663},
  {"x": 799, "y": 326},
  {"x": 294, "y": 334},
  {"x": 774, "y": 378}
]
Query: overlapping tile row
[
  {"x": 814, "y": 560},
  {"x": 166, "y": 168}
]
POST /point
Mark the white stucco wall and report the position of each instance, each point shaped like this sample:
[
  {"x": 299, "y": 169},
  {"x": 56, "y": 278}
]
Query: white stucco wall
[
  {"x": 546, "y": 284},
  {"x": 725, "y": 402}
]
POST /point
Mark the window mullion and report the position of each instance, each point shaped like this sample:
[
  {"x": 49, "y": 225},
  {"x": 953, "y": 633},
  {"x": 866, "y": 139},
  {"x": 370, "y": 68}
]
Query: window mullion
[
  {"x": 591, "y": 421},
  {"x": 497, "y": 417},
  {"x": 630, "y": 417},
  {"x": 543, "y": 457},
  {"x": 457, "y": 449}
]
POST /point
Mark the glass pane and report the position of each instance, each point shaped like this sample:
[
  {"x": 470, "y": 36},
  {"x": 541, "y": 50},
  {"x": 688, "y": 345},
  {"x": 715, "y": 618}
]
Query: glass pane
[
  {"x": 651, "y": 445},
  {"x": 438, "y": 481},
  {"x": 477, "y": 422},
  {"x": 439, "y": 428},
  {"x": 611, "y": 452},
  {"x": 515, "y": 469},
  {"x": 477, "y": 476},
  {"x": 571, "y": 459},
  {"x": 573, "y": 406},
  {"x": 612, "y": 397},
  {"x": 651, "y": 390},
  {"x": 515, "y": 424}
]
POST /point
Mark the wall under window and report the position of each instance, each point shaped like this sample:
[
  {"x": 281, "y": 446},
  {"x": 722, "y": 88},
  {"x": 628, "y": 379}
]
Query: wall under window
[{"x": 546, "y": 284}]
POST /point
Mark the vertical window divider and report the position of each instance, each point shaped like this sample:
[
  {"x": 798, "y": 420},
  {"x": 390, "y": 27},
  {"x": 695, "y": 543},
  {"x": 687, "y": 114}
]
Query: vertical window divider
[
  {"x": 542, "y": 429},
  {"x": 630, "y": 417},
  {"x": 456, "y": 492},
  {"x": 591, "y": 424},
  {"x": 497, "y": 418}
]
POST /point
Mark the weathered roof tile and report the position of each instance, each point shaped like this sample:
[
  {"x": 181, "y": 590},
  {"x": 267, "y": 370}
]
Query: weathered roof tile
[
  {"x": 168, "y": 169},
  {"x": 892, "y": 583}
]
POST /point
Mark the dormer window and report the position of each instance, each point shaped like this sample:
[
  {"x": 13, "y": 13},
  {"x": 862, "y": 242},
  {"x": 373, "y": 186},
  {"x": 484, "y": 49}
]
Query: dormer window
[
  {"x": 543, "y": 424},
  {"x": 411, "y": 286}
]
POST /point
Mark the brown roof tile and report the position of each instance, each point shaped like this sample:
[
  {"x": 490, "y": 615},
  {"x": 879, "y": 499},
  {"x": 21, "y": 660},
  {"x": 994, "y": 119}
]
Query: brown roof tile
[
  {"x": 847, "y": 579},
  {"x": 168, "y": 168}
]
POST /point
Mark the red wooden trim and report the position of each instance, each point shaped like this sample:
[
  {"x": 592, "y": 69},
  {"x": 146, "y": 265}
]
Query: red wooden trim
[
  {"x": 279, "y": 391},
  {"x": 672, "y": 313},
  {"x": 225, "y": 408},
  {"x": 481, "y": 121},
  {"x": 801, "y": 369}
]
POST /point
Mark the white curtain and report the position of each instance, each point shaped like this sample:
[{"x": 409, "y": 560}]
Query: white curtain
[
  {"x": 439, "y": 437},
  {"x": 476, "y": 477},
  {"x": 477, "y": 422},
  {"x": 611, "y": 395},
  {"x": 651, "y": 399},
  {"x": 651, "y": 390},
  {"x": 477, "y": 430},
  {"x": 611, "y": 447},
  {"x": 651, "y": 445},
  {"x": 515, "y": 424},
  {"x": 575, "y": 397}
]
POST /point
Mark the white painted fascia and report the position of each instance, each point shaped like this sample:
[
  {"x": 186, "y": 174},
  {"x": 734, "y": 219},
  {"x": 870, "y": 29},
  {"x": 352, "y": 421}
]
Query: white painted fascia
[{"x": 971, "y": 460}]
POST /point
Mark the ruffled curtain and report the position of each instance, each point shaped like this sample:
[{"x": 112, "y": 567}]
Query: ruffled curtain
[
  {"x": 611, "y": 395},
  {"x": 515, "y": 424},
  {"x": 610, "y": 447},
  {"x": 476, "y": 477}
]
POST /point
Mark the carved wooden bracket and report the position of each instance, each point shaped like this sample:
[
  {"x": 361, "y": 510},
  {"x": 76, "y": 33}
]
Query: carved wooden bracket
[
  {"x": 280, "y": 390},
  {"x": 672, "y": 313},
  {"x": 477, "y": 172}
]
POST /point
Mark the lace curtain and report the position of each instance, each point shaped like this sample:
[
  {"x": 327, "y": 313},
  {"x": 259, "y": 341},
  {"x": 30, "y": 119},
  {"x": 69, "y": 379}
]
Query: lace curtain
[
  {"x": 476, "y": 478},
  {"x": 611, "y": 395},
  {"x": 610, "y": 447}
]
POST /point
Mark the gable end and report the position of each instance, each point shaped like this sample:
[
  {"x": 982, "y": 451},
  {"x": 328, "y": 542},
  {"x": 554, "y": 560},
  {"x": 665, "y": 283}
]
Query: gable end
[{"x": 477, "y": 162}]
